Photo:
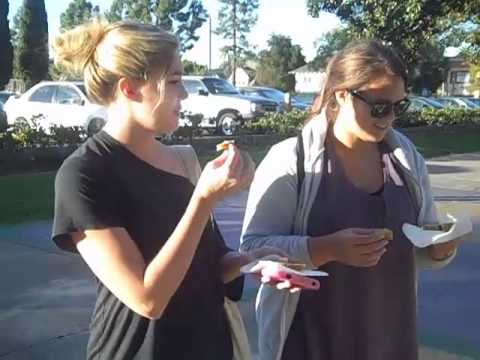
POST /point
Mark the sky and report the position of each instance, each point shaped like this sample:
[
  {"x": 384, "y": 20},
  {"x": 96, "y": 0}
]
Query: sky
[{"x": 286, "y": 17}]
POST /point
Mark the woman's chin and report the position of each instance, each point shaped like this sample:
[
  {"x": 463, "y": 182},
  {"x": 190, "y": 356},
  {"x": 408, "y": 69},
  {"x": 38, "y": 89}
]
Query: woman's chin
[
  {"x": 377, "y": 134},
  {"x": 167, "y": 127}
]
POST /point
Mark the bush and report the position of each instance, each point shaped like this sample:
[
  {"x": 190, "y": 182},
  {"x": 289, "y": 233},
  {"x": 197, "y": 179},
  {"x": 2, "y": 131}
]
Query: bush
[
  {"x": 439, "y": 117},
  {"x": 7, "y": 142},
  {"x": 67, "y": 135},
  {"x": 29, "y": 134},
  {"x": 279, "y": 123},
  {"x": 290, "y": 123}
]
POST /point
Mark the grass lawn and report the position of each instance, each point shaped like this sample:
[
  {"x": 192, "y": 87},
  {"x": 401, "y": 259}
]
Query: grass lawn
[
  {"x": 26, "y": 197},
  {"x": 29, "y": 197},
  {"x": 444, "y": 143}
]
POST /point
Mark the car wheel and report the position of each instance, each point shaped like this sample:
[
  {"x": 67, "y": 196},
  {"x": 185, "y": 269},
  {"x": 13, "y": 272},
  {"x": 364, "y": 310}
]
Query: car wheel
[
  {"x": 94, "y": 126},
  {"x": 228, "y": 124}
]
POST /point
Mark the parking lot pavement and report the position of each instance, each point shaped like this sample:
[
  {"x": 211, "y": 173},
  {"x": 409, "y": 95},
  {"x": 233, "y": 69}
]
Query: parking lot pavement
[{"x": 47, "y": 295}]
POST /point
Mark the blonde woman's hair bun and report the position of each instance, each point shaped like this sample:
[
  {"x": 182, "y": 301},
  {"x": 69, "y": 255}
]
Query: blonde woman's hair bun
[
  {"x": 103, "y": 53},
  {"x": 75, "y": 48}
]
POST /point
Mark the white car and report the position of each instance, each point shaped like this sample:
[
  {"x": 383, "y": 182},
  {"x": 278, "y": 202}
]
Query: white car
[
  {"x": 222, "y": 106},
  {"x": 61, "y": 103}
]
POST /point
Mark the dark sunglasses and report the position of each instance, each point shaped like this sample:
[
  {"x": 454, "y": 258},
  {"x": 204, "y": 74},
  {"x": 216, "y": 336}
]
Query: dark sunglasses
[{"x": 381, "y": 109}]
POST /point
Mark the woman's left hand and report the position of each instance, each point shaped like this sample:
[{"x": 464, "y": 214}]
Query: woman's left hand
[
  {"x": 271, "y": 253},
  {"x": 443, "y": 251},
  {"x": 232, "y": 261}
]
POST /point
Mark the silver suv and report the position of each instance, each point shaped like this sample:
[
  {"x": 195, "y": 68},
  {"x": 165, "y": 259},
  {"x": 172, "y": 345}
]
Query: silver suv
[{"x": 222, "y": 106}]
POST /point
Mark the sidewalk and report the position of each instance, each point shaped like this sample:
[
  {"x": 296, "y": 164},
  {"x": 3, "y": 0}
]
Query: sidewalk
[{"x": 47, "y": 295}]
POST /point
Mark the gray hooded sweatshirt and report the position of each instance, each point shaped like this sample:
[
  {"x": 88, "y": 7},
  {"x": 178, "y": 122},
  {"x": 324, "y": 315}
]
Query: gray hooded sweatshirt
[{"x": 272, "y": 213}]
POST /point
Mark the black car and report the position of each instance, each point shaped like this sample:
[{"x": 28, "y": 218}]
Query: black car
[
  {"x": 4, "y": 95},
  {"x": 275, "y": 95}
]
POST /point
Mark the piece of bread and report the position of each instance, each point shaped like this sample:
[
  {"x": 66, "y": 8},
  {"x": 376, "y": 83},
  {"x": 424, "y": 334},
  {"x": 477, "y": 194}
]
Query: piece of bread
[
  {"x": 438, "y": 227},
  {"x": 294, "y": 265},
  {"x": 225, "y": 144},
  {"x": 387, "y": 234}
]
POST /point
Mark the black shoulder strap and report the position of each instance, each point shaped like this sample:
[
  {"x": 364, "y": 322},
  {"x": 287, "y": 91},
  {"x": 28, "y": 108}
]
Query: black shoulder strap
[{"x": 300, "y": 164}]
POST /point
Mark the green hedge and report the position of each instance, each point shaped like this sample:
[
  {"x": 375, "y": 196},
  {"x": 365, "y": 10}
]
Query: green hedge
[
  {"x": 278, "y": 123},
  {"x": 29, "y": 134},
  {"x": 290, "y": 123},
  {"x": 439, "y": 117}
]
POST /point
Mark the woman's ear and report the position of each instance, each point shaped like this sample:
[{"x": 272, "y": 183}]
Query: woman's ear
[
  {"x": 341, "y": 96},
  {"x": 129, "y": 89}
]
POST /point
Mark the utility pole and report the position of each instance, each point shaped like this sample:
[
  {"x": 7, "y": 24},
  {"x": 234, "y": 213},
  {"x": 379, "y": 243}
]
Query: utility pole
[
  {"x": 234, "y": 42},
  {"x": 209, "y": 43}
]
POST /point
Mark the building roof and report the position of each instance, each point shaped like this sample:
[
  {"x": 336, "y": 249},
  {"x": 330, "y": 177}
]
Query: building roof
[{"x": 458, "y": 60}]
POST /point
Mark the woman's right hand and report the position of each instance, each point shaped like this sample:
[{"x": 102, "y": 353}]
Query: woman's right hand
[
  {"x": 354, "y": 246},
  {"x": 230, "y": 172}
]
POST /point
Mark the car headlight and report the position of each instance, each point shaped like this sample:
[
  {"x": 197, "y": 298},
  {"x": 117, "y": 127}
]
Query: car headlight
[{"x": 254, "y": 107}]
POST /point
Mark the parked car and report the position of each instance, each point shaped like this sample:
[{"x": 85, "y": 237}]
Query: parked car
[
  {"x": 419, "y": 103},
  {"x": 432, "y": 101},
  {"x": 57, "y": 103},
  {"x": 457, "y": 102},
  {"x": 306, "y": 98},
  {"x": 275, "y": 95},
  {"x": 4, "y": 95},
  {"x": 475, "y": 100},
  {"x": 221, "y": 104}
]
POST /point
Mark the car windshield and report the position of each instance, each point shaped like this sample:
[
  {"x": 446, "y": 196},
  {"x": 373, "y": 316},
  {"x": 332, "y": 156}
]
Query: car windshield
[
  {"x": 306, "y": 98},
  {"x": 219, "y": 86},
  {"x": 475, "y": 101},
  {"x": 434, "y": 103},
  {"x": 274, "y": 94}
]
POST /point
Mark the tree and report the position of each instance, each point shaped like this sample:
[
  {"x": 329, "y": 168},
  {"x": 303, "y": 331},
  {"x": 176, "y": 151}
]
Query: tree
[
  {"x": 6, "y": 60},
  {"x": 182, "y": 17},
  {"x": 141, "y": 10},
  {"x": 471, "y": 49},
  {"x": 329, "y": 44},
  {"x": 236, "y": 19},
  {"x": 78, "y": 12},
  {"x": 466, "y": 37},
  {"x": 405, "y": 25},
  {"x": 192, "y": 68},
  {"x": 427, "y": 73},
  {"x": 14, "y": 29},
  {"x": 431, "y": 68},
  {"x": 276, "y": 62},
  {"x": 32, "y": 42},
  {"x": 474, "y": 78}
]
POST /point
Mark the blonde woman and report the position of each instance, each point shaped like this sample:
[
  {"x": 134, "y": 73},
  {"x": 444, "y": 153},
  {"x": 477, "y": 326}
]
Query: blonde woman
[{"x": 124, "y": 201}]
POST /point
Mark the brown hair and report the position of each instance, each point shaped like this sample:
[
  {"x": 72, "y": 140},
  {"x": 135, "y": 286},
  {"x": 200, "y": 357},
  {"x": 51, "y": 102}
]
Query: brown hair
[
  {"x": 103, "y": 53},
  {"x": 353, "y": 67}
]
